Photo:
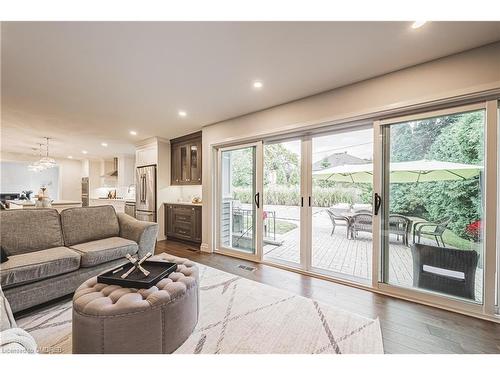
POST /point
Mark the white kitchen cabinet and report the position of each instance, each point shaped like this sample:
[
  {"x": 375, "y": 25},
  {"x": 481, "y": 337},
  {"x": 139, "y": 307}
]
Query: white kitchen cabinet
[
  {"x": 126, "y": 171},
  {"x": 146, "y": 155}
]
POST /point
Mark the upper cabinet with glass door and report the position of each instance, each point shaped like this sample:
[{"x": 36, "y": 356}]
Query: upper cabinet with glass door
[{"x": 186, "y": 160}]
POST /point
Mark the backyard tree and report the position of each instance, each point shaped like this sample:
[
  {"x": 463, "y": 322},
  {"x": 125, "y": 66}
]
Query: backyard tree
[{"x": 456, "y": 138}]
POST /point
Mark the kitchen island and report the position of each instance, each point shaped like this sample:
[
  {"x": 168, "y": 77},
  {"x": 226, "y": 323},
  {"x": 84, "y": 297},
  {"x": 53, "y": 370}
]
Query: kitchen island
[{"x": 59, "y": 205}]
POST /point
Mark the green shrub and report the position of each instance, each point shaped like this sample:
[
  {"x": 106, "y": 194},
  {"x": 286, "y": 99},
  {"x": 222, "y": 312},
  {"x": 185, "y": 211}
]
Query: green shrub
[{"x": 290, "y": 195}]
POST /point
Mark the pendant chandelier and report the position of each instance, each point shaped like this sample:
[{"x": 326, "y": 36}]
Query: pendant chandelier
[
  {"x": 35, "y": 166},
  {"x": 45, "y": 162}
]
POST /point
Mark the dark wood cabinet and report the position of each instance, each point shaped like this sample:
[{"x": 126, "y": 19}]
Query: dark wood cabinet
[
  {"x": 186, "y": 160},
  {"x": 183, "y": 222}
]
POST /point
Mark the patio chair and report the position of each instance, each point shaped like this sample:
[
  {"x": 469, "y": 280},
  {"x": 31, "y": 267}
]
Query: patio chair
[
  {"x": 361, "y": 222},
  {"x": 400, "y": 226},
  {"x": 369, "y": 212},
  {"x": 437, "y": 232},
  {"x": 335, "y": 215},
  {"x": 445, "y": 270}
]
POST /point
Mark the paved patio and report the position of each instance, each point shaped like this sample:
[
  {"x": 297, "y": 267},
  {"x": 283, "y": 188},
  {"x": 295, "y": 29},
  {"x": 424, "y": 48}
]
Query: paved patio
[{"x": 341, "y": 255}]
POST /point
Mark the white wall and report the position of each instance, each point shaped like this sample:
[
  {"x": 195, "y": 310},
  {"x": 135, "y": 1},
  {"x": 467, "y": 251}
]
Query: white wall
[
  {"x": 70, "y": 175},
  {"x": 472, "y": 71},
  {"x": 16, "y": 177}
]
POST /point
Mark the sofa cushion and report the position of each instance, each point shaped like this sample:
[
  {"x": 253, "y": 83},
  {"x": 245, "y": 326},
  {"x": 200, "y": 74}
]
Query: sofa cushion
[
  {"x": 84, "y": 224},
  {"x": 105, "y": 250},
  {"x": 38, "y": 265},
  {"x": 27, "y": 230}
]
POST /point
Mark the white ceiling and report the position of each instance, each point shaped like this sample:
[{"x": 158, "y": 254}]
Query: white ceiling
[{"x": 83, "y": 83}]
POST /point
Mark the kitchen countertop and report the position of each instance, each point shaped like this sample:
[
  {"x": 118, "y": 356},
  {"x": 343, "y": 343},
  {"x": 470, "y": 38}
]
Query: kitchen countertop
[
  {"x": 185, "y": 203},
  {"x": 113, "y": 199},
  {"x": 32, "y": 203}
]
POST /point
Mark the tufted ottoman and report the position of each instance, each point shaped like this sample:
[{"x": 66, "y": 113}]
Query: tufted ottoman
[{"x": 114, "y": 319}]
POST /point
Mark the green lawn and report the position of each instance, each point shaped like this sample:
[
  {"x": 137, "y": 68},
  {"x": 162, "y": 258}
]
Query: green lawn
[
  {"x": 450, "y": 238},
  {"x": 453, "y": 240},
  {"x": 283, "y": 227}
]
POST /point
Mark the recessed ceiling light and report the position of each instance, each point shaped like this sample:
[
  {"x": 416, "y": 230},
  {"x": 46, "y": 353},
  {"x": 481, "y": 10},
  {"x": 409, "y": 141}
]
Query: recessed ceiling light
[
  {"x": 70, "y": 157},
  {"x": 133, "y": 132},
  {"x": 418, "y": 24},
  {"x": 104, "y": 144},
  {"x": 258, "y": 85},
  {"x": 182, "y": 113},
  {"x": 84, "y": 152}
]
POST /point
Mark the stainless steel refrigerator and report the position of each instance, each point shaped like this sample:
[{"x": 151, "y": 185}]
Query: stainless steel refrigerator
[{"x": 145, "y": 193}]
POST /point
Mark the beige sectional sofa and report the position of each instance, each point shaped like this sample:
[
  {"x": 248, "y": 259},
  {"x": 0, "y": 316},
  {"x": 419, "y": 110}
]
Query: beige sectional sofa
[
  {"x": 13, "y": 340},
  {"x": 51, "y": 254}
]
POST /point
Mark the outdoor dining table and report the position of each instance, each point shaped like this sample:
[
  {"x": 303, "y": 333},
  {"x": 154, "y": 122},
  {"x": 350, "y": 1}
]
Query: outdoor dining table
[{"x": 349, "y": 215}]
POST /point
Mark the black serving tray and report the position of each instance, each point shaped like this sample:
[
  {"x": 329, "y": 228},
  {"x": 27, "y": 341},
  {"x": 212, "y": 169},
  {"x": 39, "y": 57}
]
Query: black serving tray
[{"x": 158, "y": 271}]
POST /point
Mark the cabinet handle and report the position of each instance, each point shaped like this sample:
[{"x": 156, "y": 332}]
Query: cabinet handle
[
  {"x": 199, "y": 178},
  {"x": 187, "y": 179}
]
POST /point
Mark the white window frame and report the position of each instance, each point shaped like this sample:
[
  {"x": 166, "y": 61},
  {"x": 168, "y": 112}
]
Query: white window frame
[
  {"x": 492, "y": 202},
  {"x": 490, "y": 195},
  {"x": 219, "y": 248}
]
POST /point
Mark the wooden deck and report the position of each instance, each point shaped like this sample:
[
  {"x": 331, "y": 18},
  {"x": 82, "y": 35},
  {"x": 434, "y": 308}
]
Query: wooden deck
[{"x": 351, "y": 258}]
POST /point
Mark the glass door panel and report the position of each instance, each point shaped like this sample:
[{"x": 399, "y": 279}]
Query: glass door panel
[
  {"x": 282, "y": 202},
  {"x": 342, "y": 178},
  {"x": 238, "y": 199},
  {"x": 184, "y": 157},
  {"x": 195, "y": 163},
  {"x": 434, "y": 203}
]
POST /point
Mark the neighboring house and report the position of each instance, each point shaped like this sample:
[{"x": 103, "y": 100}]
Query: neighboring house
[{"x": 341, "y": 158}]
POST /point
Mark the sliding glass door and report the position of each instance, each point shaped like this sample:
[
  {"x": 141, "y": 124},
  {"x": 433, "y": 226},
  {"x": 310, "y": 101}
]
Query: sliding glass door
[
  {"x": 406, "y": 205},
  {"x": 433, "y": 211},
  {"x": 341, "y": 238},
  {"x": 239, "y": 200},
  {"x": 316, "y": 212},
  {"x": 283, "y": 202}
]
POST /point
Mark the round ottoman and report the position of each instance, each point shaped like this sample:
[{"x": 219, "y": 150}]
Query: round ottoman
[{"x": 114, "y": 319}]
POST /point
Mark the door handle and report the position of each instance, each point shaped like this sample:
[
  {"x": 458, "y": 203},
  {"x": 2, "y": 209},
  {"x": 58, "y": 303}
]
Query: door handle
[
  {"x": 309, "y": 201},
  {"x": 378, "y": 203},
  {"x": 301, "y": 201},
  {"x": 144, "y": 188},
  {"x": 257, "y": 199}
]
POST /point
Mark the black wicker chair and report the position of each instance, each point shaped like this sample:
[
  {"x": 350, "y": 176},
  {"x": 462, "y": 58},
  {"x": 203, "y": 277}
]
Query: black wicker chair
[
  {"x": 444, "y": 258},
  {"x": 334, "y": 216}
]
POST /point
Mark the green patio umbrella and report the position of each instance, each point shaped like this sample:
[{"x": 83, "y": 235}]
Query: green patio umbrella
[{"x": 402, "y": 172}]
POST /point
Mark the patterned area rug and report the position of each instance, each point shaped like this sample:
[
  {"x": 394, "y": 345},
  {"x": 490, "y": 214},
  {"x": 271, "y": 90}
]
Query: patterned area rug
[{"x": 241, "y": 316}]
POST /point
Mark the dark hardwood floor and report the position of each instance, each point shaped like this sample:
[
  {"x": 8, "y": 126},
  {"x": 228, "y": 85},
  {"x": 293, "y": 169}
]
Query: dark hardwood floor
[{"x": 406, "y": 327}]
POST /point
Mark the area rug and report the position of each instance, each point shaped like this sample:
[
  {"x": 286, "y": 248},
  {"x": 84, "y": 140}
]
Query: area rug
[{"x": 238, "y": 315}]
